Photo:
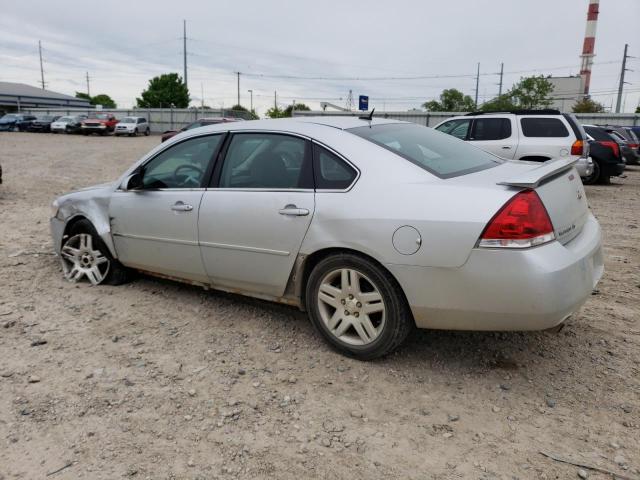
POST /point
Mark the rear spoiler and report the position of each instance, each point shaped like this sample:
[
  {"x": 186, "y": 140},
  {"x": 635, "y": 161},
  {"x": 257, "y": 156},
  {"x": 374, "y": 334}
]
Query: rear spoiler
[{"x": 535, "y": 176}]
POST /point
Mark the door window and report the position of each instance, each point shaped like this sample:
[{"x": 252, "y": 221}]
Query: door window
[
  {"x": 490, "y": 129},
  {"x": 182, "y": 165},
  {"x": 267, "y": 160},
  {"x": 331, "y": 173},
  {"x": 457, "y": 128},
  {"x": 543, "y": 127}
]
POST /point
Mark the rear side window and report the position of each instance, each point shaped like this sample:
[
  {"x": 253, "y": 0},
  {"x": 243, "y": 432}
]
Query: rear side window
[
  {"x": 490, "y": 129},
  {"x": 457, "y": 128},
  {"x": 330, "y": 171},
  {"x": 543, "y": 127},
  {"x": 438, "y": 154}
]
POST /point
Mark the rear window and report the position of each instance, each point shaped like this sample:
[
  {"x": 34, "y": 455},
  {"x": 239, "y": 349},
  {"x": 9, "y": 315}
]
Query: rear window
[
  {"x": 441, "y": 155},
  {"x": 598, "y": 134},
  {"x": 543, "y": 127}
]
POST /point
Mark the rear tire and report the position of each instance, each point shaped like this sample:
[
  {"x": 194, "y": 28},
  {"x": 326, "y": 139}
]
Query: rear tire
[
  {"x": 116, "y": 273},
  {"x": 147, "y": 132},
  {"x": 357, "y": 306},
  {"x": 595, "y": 175}
]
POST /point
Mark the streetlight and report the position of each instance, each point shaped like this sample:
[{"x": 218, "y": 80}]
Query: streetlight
[{"x": 251, "y": 92}]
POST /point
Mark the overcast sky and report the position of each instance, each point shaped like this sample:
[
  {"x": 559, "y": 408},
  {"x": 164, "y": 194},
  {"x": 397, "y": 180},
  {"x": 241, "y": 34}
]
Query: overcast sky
[{"x": 331, "y": 47}]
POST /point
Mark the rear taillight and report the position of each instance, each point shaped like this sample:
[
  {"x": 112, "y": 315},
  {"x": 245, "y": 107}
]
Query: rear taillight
[
  {"x": 613, "y": 146},
  {"x": 577, "y": 148},
  {"x": 634, "y": 145},
  {"x": 521, "y": 223}
]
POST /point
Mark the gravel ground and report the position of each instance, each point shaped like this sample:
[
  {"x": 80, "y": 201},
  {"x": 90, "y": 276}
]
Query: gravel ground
[{"x": 161, "y": 380}]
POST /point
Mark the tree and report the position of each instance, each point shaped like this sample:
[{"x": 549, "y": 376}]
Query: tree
[
  {"x": 239, "y": 108},
  {"x": 502, "y": 103},
  {"x": 586, "y": 105},
  {"x": 531, "y": 93},
  {"x": 287, "y": 112},
  {"x": 163, "y": 91},
  {"x": 274, "y": 112},
  {"x": 101, "y": 99},
  {"x": 451, "y": 100},
  {"x": 638, "y": 109}
]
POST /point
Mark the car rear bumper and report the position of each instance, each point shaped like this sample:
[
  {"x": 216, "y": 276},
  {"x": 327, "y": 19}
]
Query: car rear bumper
[{"x": 532, "y": 289}]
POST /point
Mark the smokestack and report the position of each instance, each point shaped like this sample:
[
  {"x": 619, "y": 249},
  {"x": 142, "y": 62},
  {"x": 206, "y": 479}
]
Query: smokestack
[{"x": 589, "y": 44}]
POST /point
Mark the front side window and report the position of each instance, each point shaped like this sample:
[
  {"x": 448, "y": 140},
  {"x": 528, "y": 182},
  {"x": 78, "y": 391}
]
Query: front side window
[
  {"x": 266, "y": 160},
  {"x": 543, "y": 127},
  {"x": 142, "y": 120},
  {"x": 438, "y": 154},
  {"x": 490, "y": 129},
  {"x": 457, "y": 128},
  {"x": 182, "y": 165},
  {"x": 331, "y": 172}
]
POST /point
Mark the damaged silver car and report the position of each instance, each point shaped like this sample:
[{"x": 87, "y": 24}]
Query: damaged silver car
[{"x": 372, "y": 226}]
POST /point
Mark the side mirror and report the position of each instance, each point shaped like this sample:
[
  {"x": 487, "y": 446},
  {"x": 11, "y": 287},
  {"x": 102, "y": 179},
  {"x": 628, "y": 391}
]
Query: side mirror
[{"x": 133, "y": 182}]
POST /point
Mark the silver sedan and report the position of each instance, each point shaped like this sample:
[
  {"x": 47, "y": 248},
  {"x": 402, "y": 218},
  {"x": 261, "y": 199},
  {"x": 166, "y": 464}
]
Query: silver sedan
[{"x": 372, "y": 226}]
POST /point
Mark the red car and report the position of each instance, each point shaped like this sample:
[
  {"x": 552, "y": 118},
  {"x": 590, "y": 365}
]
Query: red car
[
  {"x": 101, "y": 123},
  {"x": 198, "y": 123}
]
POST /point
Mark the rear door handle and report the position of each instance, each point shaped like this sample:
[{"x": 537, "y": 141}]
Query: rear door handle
[
  {"x": 293, "y": 210},
  {"x": 181, "y": 207}
]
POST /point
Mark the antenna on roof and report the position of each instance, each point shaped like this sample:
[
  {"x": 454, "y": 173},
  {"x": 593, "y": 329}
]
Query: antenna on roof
[{"x": 368, "y": 117}]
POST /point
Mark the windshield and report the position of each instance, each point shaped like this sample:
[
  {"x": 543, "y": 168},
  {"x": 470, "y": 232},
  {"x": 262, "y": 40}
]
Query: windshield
[
  {"x": 128, "y": 120},
  {"x": 9, "y": 117},
  {"x": 46, "y": 118},
  {"x": 437, "y": 153},
  {"x": 101, "y": 116},
  {"x": 66, "y": 119}
]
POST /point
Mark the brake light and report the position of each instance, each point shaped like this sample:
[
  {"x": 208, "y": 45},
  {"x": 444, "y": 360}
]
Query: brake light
[
  {"x": 577, "y": 148},
  {"x": 521, "y": 223},
  {"x": 613, "y": 146},
  {"x": 634, "y": 145}
]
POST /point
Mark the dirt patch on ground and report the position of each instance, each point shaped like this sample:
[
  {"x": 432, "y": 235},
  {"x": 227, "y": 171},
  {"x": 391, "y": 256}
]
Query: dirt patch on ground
[{"x": 161, "y": 380}]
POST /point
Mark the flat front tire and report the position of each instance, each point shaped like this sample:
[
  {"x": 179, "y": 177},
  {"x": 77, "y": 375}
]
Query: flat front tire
[
  {"x": 357, "y": 306},
  {"x": 85, "y": 256}
]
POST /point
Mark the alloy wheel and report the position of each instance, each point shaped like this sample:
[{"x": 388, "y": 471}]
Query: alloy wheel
[
  {"x": 351, "y": 306},
  {"x": 80, "y": 259}
]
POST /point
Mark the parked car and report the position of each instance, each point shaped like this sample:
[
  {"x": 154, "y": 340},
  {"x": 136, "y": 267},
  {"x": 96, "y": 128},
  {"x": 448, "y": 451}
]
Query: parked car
[
  {"x": 132, "y": 126},
  {"x": 628, "y": 143},
  {"x": 534, "y": 135},
  {"x": 372, "y": 226},
  {"x": 605, "y": 152},
  {"x": 101, "y": 123},
  {"x": 15, "y": 122},
  {"x": 635, "y": 129},
  {"x": 42, "y": 123},
  {"x": 68, "y": 124},
  {"x": 198, "y": 123}
]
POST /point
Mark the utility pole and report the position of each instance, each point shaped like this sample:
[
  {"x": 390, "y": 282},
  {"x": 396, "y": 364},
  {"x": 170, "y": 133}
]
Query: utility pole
[
  {"x": 293, "y": 107},
  {"x": 41, "y": 69},
  {"x": 201, "y": 96},
  {"x": 238, "y": 74},
  {"x": 477, "y": 84},
  {"x": 251, "y": 92},
  {"x": 275, "y": 100},
  {"x": 88, "y": 89},
  {"x": 184, "y": 50},
  {"x": 501, "y": 75},
  {"x": 622, "y": 82}
]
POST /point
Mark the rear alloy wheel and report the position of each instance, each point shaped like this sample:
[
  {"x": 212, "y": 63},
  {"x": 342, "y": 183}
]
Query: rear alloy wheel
[
  {"x": 357, "y": 306},
  {"x": 84, "y": 255},
  {"x": 147, "y": 132},
  {"x": 595, "y": 175}
]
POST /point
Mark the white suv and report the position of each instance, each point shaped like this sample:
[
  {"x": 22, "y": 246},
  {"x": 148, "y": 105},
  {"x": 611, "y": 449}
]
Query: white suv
[{"x": 534, "y": 135}]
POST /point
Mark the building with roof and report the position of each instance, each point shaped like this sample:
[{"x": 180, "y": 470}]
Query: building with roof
[
  {"x": 567, "y": 91},
  {"x": 16, "y": 96}
]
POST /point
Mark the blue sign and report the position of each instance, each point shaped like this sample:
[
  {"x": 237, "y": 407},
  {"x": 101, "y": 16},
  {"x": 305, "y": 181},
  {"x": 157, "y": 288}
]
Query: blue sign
[{"x": 363, "y": 103}]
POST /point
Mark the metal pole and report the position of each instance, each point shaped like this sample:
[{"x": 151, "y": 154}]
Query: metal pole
[
  {"x": 293, "y": 107},
  {"x": 184, "y": 50},
  {"x": 88, "y": 89},
  {"x": 238, "y": 73},
  {"x": 621, "y": 86},
  {"x": 41, "y": 69},
  {"x": 251, "y": 92},
  {"x": 477, "y": 84},
  {"x": 501, "y": 74},
  {"x": 275, "y": 100}
]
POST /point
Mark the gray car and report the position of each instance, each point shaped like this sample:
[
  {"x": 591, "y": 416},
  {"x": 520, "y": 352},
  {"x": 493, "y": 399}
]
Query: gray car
[{"x": 372, "y": 226}]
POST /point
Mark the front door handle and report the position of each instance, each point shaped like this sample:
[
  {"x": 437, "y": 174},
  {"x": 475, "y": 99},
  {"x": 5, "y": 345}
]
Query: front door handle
[
  {"x": 293, "y": 210},
  {"x": 181, "y": 207},
  {"x": 506, "y": 147}
]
